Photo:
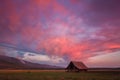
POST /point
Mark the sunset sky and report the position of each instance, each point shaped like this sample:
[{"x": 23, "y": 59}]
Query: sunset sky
[{"x": 57, "y": 31}]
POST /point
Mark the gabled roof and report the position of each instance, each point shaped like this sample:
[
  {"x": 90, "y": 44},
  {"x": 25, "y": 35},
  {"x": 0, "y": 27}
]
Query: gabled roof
[{"x": 79, "y": 65}]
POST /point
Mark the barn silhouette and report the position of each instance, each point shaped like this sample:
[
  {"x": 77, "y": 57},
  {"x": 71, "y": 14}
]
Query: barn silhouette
[{"x": 75, "y": 66}]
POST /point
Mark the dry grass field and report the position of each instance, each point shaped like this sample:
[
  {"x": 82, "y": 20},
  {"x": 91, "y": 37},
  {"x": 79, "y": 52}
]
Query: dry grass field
[{"x": 58, "y": 75}]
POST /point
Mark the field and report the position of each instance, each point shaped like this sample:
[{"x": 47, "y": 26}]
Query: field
[{"x": 58, "y": 75}]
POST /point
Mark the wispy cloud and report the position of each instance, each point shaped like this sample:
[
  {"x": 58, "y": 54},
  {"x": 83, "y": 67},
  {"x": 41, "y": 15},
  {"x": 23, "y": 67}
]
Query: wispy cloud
[{"x": 78, "y": 29}]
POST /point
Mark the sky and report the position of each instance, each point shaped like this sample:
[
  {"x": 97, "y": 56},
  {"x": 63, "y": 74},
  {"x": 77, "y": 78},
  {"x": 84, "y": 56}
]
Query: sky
[{"x": 56, "y": 32}]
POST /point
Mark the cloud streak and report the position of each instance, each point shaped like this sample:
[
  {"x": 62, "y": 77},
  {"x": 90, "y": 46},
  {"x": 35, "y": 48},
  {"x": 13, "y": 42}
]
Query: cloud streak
[{"x": 78, "y": 29}]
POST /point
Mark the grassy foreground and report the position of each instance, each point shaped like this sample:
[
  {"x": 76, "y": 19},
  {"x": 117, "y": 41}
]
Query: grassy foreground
[{"x": 57, "y": 75}]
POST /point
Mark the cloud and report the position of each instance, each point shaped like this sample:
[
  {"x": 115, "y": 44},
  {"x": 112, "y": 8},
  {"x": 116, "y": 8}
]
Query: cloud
[
  {"x": 105, "y": 60},
  {"x": 77, "y": 29},
  {"x": 7, "y": 51},
  {"x": 39, "y": 58}
]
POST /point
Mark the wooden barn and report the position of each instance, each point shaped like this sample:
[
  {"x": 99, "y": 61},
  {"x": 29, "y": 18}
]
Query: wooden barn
[{"x": 76, "y": 66}]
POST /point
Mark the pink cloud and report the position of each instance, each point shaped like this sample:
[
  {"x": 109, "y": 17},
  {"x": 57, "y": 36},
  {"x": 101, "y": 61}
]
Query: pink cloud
[{"x": 78, "y": 29}]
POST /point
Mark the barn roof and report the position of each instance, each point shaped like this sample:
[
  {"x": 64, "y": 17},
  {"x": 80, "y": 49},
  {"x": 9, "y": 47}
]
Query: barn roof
[{"x": 79, "y": 65}]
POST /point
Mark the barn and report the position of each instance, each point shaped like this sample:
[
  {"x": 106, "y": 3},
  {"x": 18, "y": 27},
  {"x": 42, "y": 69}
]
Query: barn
[{"x": 75, "y": 66}]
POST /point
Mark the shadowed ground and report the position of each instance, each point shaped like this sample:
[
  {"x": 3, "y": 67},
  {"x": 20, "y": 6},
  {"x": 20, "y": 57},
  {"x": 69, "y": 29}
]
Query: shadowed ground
[{"x": 57, "y": 75}]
